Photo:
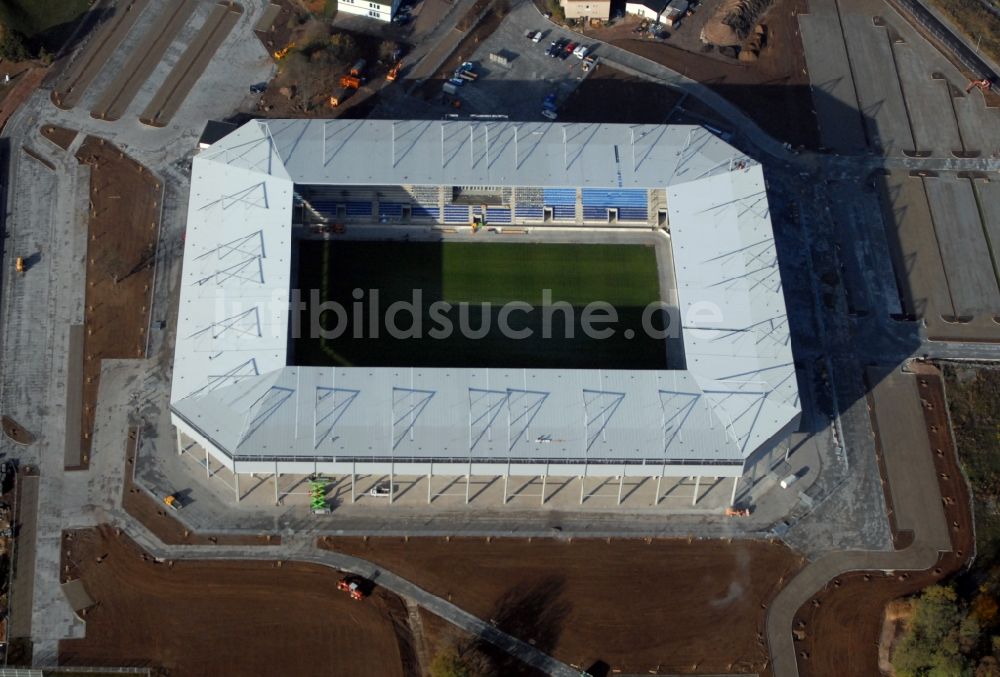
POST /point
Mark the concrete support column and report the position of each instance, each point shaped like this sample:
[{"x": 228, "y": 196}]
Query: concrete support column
[
  {"x": 180, "y": 444},
  {"x": 621, "y": 485},
  {"x": 277, "y": 498},
  {"x": 392, "y": 480},
  {"x": 468, "y": 481},
  {"x": 788, "y": 448},
  {"x": 352, "y": 484},
  {"x": 732, "y": 499},
  {"x": 236, "y": 483},
  {"x": 208, "y": 470},
  {"x": 697, "y": 482},
  {"x": 656, "y": 499},
  {"x": 583, "y": 486},
  {"x": 545, "y": 476},
  {"x": 428, "y": 488}
]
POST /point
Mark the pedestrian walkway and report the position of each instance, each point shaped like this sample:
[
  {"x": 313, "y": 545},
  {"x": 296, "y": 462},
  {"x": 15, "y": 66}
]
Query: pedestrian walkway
[{"x": 916, "y": 502}]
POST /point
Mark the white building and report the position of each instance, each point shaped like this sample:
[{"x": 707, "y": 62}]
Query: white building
[
  {"x": 235, "y": 394},
  {"x": 650, "y": 9},
  {"x": 376, "y": 9}
]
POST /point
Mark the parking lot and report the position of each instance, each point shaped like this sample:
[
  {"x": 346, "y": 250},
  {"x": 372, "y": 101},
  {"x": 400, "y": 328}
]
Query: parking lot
[{"x": 519, "y": 89}]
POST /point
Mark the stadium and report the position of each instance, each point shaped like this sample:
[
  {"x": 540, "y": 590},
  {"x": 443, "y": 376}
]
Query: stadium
[{"x": 665, "y": 225}]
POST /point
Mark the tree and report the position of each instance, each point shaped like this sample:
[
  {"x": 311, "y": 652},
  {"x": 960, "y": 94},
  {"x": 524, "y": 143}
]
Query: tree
[
  {"x": 387, "y": 50},
  {"x": 932, "y": 644},
  {"x": 12, "y": 46},
  {"x": 344, "y": 47},
  {"x": 449, "y": 664}
]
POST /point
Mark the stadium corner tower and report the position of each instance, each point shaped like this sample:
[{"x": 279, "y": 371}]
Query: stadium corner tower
[{"x": 238, "y": 393}]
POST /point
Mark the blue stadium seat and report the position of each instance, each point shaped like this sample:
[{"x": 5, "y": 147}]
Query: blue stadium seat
[
  {"x": 390, "y": 210},
  {"x": 564, "y": 213},
  {"x": 456, "y": 214},
  {"x": 497, "y": 215}
]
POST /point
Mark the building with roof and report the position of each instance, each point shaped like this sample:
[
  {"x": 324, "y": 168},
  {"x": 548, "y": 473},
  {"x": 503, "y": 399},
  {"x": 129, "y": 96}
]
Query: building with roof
[
  {"x": 383, "y": 10},
  {"x": 237, "y": 393},
  {"x": 586, "y": 9}
]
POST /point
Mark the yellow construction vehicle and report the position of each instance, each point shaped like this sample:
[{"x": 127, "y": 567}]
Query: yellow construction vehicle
[
  {"x": 394, "y": 72},
  {"x": 173, "y": 501},
  {"x": 350, "y": 81},
  {"x": 283, "y": 52},
  {"x": 19, "y": 264}
]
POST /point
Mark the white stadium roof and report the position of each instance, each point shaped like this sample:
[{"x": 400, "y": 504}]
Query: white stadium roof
[{"x": 232, "y": 383}]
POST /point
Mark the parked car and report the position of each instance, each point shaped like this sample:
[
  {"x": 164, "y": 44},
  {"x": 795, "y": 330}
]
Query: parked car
[
  {"x": 581, "y": 51},
  {"x": 382, "y": 489},
  {"x": 570, "y": 47},
  {"x": 538, "y": 37},
  {"x": 550, "y": 114},
  {"x": 258, "y": 88}
]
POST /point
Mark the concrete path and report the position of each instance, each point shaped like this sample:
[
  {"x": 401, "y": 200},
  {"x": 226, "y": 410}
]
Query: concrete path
[{"x": 916, "y": 501}]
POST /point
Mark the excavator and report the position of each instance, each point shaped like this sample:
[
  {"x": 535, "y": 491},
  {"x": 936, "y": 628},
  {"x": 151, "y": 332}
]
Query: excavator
[
  {"x": 19, "y": 264},
  {"x": 983, "y": 84},
  {"x": 283, "y": 52},
  {"x": 352, "y": 585},
  {"x": 354, "y": 78},
  {"x": 394, "y": 72}
]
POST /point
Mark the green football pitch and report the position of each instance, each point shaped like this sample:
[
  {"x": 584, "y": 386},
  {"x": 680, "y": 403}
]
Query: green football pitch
[{"x": 623, "y": 276}]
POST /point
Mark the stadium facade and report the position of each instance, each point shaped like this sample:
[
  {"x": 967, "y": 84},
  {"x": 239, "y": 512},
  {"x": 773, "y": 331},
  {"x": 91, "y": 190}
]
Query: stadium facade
[{"x": 236, "y": 394}]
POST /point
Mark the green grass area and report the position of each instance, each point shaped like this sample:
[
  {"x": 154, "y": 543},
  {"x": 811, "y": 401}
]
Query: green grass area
[
  {"x": 48, "y": 22},
  {"x": 974, "y": 403},
  {"x": 624, "y": 276}
]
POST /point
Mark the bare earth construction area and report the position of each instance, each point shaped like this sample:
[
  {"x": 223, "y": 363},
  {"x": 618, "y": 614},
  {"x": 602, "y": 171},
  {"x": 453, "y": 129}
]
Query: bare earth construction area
[{"x": 579, "y": 599}]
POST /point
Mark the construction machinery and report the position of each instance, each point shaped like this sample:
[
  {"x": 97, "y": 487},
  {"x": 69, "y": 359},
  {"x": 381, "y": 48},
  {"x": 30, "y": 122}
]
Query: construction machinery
[
  {"x": 174, "y": 501},
  {"x": 358, "y": 68},
  {"x": 19, "y": 264},
  {"x": 317, "y": 498},
  {"x": 353, "y": 586},
  {"x": 338, "y": 97},
  {"x": 737, "y": 512},
  {"x": 983, "y": 84},
  {"x": 394, "y": 72},
  {"x": 283, "y": 52},
  {"x": 350, "y": 82}
]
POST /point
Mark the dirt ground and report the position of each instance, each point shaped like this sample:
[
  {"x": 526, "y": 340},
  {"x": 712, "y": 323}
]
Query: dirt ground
[
  {"x": 484, "y": 659},
  {"x": 16, "y": 431},
  {"x": 656, "y": 606},
  {"x": 23, "y": 83},
  {"x": 304, "y": 84},
  {"x": 61, "y": 136},
  {"x": 841, "y": 625},
  {"x": 121, "y": 250},
  {"x": 159, "y": 518},
  {"x": 774, "y": 90},
  {"x": 192, "y": 618}
]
